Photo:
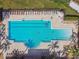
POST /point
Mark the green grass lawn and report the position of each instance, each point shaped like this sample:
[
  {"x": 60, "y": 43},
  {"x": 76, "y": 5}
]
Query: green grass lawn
[
  {"x": 37, "y": 4},
  {"x": 71, "y": 18}
]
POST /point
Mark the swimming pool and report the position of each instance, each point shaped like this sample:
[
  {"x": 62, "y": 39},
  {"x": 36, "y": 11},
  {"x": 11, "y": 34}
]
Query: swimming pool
[{"x": 32, "y": 32}]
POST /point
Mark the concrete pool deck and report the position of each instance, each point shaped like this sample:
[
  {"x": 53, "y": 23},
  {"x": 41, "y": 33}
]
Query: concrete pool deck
[{"x": 57, "y": 22}]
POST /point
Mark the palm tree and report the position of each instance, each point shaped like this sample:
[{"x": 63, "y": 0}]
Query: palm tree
[
  {"x": 17, "y": 54},
  {"x": 52, "y": 50},
  {"x": 77, "y": 25},
  {"x": 74, "y": 37},
  {"x": 4, "y": 43},
  {"x": 5, "y": 46},
  {"x": 78, "y": 34}
]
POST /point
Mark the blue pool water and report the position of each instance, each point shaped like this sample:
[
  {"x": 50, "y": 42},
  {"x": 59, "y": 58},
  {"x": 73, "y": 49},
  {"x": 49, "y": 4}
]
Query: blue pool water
[{"x": 32, "y": 32}]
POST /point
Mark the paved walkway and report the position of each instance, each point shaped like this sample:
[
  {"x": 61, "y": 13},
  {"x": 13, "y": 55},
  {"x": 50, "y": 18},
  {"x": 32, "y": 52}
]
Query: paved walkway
[{"x": 74, "y": 5}]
